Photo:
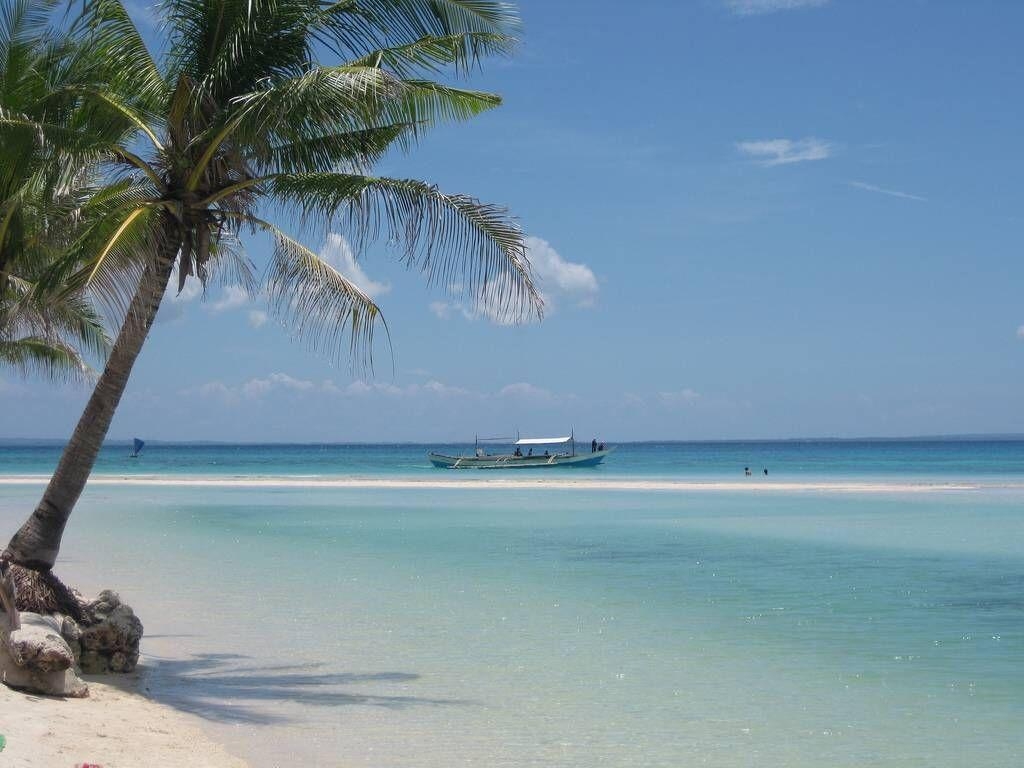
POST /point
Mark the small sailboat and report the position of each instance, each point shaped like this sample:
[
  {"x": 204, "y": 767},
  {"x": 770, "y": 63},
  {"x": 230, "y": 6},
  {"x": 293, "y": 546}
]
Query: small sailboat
[{"x": 137, "y": 448}]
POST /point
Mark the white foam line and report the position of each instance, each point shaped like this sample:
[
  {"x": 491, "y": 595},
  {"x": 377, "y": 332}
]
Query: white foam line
[{"x": 588, "y": 484}]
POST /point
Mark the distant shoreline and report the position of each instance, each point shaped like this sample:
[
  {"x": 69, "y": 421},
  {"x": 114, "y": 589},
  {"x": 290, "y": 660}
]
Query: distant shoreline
[{"x": 490, "y": 482}]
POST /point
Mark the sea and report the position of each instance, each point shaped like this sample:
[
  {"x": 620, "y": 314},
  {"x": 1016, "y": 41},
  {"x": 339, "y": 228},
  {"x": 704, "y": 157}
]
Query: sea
[{"x": 861, "y": 604}]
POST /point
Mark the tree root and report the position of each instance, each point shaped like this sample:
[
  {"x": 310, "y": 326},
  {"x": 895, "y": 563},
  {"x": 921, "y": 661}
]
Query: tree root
[{"x": 42, "y": 592}]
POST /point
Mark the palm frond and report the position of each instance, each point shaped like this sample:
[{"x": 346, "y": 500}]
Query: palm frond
[
  {"x": 431, "y": 54},
  {"x": 452, "y": 239},
  {"x": 118, "y": 56},
  {"x": 361, "y": 27},
  {"x": 317, "y": 302},
  {"x": 38, "y": 356}
]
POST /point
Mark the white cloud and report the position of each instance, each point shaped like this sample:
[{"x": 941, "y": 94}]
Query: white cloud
[
  {"x": 525, "y": 391},
  {"x": 279, "y": 382},
  {"x": 771, "y": 152},
  {"x": 217, "y": 389},
  {"x": 444, "y": 390},
  {"x": 679, "y": 397},
  {"x": 442, "y": 309},
  {"x": 1020, "y": 331},
  {"x": 257, "y": 318},
  {"x": 172, "y": 307},
  {"x": 633, "y": 399},
  {"x": 758, "y": 7},
  {"x": 557, "y": 278},
  {"x": 339, "y": 254},
  {"x": 233, "y": 297},
  {"x": 891, "y": 192},
  {"x": 259, "y": 387},
  {"x": 361, "y": 388}
]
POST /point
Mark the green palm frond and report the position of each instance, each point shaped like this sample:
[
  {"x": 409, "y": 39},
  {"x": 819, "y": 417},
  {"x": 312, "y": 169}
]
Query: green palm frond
[
  {"x": 118, "y": 57},
  {"x": 363, "y": 26},
  {"x": 432, "y": 54},
  {"x": 38, "y": 356},
  {"x": 239, "y": 114},
  {"x": 319, "y": 303},
  {"x": 452, "y": 239}
]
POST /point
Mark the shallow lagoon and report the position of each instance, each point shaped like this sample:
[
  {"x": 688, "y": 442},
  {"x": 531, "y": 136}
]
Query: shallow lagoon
[{"x": 387, "y": 627}]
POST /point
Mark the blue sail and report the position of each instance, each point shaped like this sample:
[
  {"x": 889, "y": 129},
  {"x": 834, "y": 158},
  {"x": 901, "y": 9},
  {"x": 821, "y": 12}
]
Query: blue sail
[{"x": 138, "y": 446}]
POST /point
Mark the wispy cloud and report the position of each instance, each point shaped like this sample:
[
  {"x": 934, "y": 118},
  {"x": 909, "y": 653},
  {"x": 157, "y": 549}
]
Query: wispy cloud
[
  {"x": 1020, "y": 331},
  {"x": 557, "y": 279},
  {"x": 258, "y": 387},
  {"x": 771, "y": 152},
  {"x": 339, "y": 254},
  {"x": 760, "y": 7},
  {"x": 679, "y": 397},
  {"x": 526, "y": 391},
  {"x": 280, "y": 383},
  {"x": 257, "y": 318},
  {"x": 233, "y": 297},
  {"x": 890, "y": 192}
]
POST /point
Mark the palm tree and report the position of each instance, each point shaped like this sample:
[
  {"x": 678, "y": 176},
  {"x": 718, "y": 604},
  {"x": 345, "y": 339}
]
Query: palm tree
[
  {"x": 42, "y": 329},
  {"x": 240, "y": 119}
]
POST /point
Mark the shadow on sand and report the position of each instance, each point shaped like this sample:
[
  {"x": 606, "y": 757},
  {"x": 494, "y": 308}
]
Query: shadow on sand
[{"x": 227, "y": 688}]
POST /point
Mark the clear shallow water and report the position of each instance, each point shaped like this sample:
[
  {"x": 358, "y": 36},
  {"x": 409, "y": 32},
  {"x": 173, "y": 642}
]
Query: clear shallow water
[
  {"x": 949, "y": 460},
  {"x": 398, "y": 627}
]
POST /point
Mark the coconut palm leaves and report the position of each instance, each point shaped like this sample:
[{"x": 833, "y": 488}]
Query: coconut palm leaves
[
  {"x": 239, "y": 123},
  {"x": 240, "y": 116},
  {"x": 44, "y": 329}
]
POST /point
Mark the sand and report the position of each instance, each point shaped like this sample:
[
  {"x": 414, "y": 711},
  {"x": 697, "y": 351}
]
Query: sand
[
  {"x": 520, "y": 483},
  {"x": 117, "y": 726}
]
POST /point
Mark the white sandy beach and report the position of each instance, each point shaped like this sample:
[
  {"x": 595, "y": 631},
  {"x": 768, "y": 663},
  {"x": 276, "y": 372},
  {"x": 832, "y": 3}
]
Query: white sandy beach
[
  {"x": 116, "y": 727},
  {"x": 561, "y": 483}
]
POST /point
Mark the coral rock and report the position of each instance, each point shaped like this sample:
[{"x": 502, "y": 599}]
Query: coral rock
[{"x": 36, "y": 658}]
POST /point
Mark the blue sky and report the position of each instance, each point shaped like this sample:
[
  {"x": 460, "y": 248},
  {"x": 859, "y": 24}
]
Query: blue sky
[{"x": 752, "y": 219}]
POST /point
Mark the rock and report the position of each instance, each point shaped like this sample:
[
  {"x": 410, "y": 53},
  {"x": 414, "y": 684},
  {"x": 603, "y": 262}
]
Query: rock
[
  {"x": 38, "y": 644},
  {"x": 111, "y": 644},
  {"x": 36, "y": 658},
  {"x": 72, "y": 634}
]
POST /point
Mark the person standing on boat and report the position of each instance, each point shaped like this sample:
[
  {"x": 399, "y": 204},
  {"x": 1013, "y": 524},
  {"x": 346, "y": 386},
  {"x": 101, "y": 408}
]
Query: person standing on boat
[{"x": 593, "y": 445}]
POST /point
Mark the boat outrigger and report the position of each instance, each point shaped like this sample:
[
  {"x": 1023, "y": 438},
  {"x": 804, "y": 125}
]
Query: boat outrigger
[{"x": 526, "y": 455}]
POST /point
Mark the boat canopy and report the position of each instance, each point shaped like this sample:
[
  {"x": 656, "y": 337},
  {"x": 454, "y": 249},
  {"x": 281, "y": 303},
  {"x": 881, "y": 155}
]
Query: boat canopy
[{"x": 542, "y": 440}]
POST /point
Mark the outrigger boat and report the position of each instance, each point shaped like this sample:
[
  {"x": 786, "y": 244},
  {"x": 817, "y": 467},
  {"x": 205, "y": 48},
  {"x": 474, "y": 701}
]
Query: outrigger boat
[{"x": 523, "y": 459}]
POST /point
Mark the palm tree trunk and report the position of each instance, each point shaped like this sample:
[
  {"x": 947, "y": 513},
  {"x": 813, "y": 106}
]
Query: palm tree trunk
[{"x": 37, "y": 542}]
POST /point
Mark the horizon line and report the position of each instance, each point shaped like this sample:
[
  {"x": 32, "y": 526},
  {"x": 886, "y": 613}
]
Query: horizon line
[{"x": 963, "y": 437}]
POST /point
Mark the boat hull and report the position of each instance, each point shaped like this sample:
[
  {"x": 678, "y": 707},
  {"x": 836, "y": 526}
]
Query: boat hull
[{"x": 517, "y": 462}]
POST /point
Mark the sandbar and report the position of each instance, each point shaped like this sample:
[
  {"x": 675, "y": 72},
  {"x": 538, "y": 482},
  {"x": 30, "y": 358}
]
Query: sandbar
[{"x": 757, "y": 485}]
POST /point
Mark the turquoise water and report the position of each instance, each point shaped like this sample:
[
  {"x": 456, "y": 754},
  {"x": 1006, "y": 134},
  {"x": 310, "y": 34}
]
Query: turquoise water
[
  {"x": 541, "y": 627},
  {"x": 950, "y": 460}
]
